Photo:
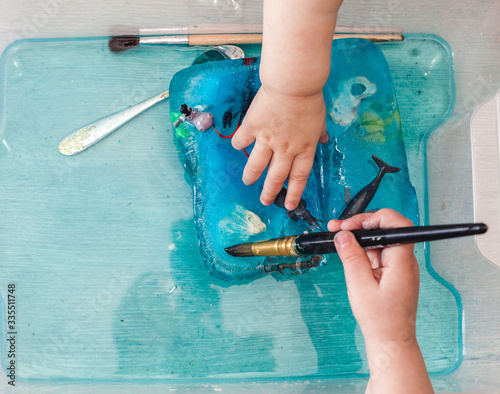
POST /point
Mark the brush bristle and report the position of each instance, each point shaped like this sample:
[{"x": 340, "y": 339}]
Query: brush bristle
[
  {"x": 120, "y": 44},
  {"x": 241, "y": 250}
]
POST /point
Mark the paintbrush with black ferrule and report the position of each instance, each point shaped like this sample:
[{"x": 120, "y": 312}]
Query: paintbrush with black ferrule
[
  {"x": 123, "y": 43},
  {"x": 322, "y": 243}
]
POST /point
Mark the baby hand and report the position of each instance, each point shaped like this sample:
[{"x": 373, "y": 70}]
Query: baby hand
[
  {"x": 286, "y": 130},
  {"x": 382, "y": 284}
]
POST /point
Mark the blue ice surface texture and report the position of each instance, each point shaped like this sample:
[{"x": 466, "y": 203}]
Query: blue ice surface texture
[{"x": 362, "y": 120}]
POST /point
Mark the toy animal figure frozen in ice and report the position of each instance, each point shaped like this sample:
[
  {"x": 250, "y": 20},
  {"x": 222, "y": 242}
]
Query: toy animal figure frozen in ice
[
  {"x": 199, "y": 119},
  {"x": 301, "y": 212},
  {"x": 354, "y": 206},
  {"x": 361, "y": 200}
]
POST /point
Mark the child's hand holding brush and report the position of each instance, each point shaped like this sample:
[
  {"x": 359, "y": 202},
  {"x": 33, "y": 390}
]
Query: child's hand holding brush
[{"x": 383, "y": 286}]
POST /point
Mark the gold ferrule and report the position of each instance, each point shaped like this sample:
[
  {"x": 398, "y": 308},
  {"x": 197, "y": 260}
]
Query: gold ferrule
[{"x": 275, "y": 247}]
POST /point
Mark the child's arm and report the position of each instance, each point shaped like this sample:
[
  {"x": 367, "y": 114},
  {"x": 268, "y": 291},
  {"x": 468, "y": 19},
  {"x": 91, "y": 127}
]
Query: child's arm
[
  {"x": 382, "y": 286},
  {"x": 287, "y": 117}
]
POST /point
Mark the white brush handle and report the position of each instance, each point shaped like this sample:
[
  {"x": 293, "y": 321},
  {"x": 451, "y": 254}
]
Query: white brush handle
[
  {"x": 223, "y": 28},
  {"x": 228, "y": 28},
  {"x": 92, "y": 133}
]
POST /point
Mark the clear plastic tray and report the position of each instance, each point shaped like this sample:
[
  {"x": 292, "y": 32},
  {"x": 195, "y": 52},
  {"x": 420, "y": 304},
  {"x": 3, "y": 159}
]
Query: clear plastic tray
[{"x": 101, "y": 246}]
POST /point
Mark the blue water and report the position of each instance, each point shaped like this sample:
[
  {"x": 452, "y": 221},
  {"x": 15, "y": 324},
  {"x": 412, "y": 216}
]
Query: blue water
[{"x": 102, "y": 246}]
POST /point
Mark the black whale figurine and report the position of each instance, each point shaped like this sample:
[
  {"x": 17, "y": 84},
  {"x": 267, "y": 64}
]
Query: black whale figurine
[{"x": 361, "y": 200}]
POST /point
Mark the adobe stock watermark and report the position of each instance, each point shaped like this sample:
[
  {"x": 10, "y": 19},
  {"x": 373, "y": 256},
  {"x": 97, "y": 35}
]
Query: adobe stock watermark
[
  {"x": 31, "y": 25},
  {"x": 90, "y": 313},
  {"x": 266, "y": 306},
  {"x": 380, "y": 17},
  {"x": 390, "y": 350},
  {"x": 481, "y": 88}
]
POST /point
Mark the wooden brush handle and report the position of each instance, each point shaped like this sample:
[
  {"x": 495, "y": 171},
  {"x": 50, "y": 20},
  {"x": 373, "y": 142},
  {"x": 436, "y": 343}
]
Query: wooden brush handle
[
  {"x": 370, "y": 37},
  {"x": 224, "y": 39}
]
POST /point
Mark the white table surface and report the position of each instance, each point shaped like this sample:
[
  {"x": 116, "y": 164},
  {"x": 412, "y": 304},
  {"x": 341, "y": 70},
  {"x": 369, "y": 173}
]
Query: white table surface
[{"x": 473, "y": 32}]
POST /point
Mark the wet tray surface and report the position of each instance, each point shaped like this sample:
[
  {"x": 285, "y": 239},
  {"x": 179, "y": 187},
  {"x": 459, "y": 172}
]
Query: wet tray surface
[{"x": 102, "y": 249}]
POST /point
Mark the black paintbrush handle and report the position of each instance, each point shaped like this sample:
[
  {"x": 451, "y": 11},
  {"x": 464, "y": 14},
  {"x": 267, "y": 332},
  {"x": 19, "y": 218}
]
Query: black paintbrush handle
[{"x": 321, "y": 243}]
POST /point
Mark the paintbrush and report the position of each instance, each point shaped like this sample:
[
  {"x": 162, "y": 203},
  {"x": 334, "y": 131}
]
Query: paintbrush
[
  {"x": 322, "y": 243},
  {"x": 210, "y": 28},
  {"x": 231, "y": 28},
  {"x": 122, "y": 43}
]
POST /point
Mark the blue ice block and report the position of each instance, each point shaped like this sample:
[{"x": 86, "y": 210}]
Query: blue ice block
[{"x": 362, "y": 120}]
